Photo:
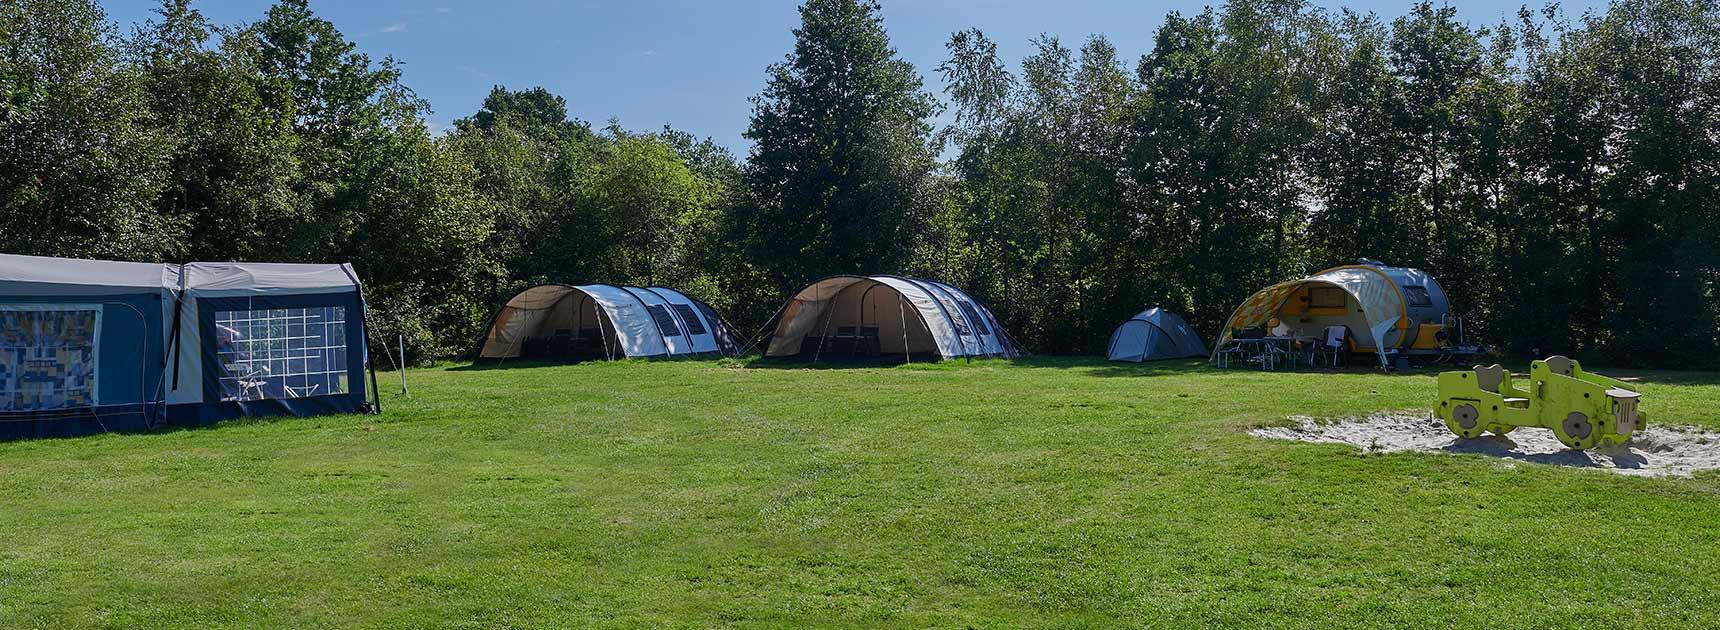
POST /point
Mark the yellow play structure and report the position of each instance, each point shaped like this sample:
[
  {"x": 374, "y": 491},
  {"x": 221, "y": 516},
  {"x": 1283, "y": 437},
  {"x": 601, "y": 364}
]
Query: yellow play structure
[{"x": 1584, "y": 410}]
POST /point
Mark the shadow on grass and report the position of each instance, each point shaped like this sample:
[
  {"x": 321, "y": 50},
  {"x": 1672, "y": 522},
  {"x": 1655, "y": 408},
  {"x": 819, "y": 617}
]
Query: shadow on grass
[
  {"x": 487, "y": 365},
  {"x": 754, "y": 361},
  {"x": 1660, "y": 377}
]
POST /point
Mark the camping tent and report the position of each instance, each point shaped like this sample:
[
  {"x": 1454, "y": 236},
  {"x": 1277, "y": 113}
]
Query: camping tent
[
  {"x": 1152, "y": 335},
  {"x": 844, "y": 316},
  {"x": 1387, "y": 310},
  {"x": 88, "y": 346},
  {"x": 604, "y": 321}
]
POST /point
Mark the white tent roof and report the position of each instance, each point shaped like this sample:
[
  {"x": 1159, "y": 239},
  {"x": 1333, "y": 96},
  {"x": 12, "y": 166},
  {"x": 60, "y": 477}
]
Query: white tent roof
[
  {"x": 215, "y": 279},
  {"x": 42, "y": 275}
]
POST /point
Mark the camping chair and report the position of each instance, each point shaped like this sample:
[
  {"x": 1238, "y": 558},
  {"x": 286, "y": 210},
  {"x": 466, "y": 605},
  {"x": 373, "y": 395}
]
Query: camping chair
[
  {"x": 868, "y": 343},
  {"x": 1332, "y": 349},
  {"x": 561, "y": 343}
]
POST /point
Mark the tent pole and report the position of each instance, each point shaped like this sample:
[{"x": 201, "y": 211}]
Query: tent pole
[
  {"x": 902, "y": 314},
  {"x": 608, "y": 354},
  {"x": 403, "y": 365},
  {"x": 825, "y": 337}
]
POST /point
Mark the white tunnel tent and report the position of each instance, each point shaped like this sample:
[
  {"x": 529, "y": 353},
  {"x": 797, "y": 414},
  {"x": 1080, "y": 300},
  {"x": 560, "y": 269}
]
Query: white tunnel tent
[
  {"x": 592, "y": 321},
  {"x": 853, "y": 316}
]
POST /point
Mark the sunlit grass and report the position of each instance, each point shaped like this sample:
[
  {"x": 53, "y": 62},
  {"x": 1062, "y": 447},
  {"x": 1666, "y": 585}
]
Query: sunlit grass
[{"x": 1050, "y": 491}]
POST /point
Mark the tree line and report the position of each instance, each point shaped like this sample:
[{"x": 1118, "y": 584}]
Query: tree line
[{"x": 1560, "y": 176}]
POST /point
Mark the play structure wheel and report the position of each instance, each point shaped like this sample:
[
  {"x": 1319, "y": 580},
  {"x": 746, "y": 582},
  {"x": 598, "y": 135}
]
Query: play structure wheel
[
  {"x": 1466, "y": 416},
  {"x": 1466, "y": 420},
  {"x": 1575, "y": 429}
]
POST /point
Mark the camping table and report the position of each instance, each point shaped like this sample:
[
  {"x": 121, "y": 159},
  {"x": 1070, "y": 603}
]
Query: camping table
[{"x": 1261, "y": 348}]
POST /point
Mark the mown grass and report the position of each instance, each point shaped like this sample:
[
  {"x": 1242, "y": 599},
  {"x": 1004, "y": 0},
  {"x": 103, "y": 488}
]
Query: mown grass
[{"x": 1054, "y": 492}]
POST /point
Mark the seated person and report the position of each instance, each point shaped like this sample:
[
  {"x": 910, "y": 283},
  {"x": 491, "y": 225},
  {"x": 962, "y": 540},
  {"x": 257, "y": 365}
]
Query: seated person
[{"x": 1278, "y": 328}]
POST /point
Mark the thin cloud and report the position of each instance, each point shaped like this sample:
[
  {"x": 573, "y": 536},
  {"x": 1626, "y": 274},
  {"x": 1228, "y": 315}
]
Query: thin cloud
[
  {"x": 397, "y": 27},
  {"x": 444, "y": 10}
]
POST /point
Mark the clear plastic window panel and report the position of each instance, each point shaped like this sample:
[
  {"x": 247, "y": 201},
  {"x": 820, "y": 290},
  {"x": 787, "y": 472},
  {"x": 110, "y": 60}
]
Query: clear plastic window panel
[
  {"x": 282, "y": 353},
  {"x": 954, "y": 313},
  {"x": 694, "y": 326},
  {"x": 665, "y": 322},
  {"x": 48, "y": 359},
  {"x": 974, "y": 316}
]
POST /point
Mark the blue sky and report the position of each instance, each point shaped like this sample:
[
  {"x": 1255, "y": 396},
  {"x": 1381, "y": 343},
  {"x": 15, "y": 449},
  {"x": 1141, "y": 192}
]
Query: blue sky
[{"x": 692, "y": 63}]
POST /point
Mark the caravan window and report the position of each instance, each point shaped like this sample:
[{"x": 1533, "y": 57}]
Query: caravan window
[
  {"x": 1327, "y": 297},
  {"x": 281, "y": 353},
  {"x": 692, "y": 319},
  {"x": 1417, "y": 296},
  {"x": 665, "y": 322},
  {"x": 48, "y": 357}
]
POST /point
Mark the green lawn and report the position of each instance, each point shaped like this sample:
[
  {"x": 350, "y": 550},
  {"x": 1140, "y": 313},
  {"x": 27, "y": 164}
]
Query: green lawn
[{"x": 1049, "y": 492}]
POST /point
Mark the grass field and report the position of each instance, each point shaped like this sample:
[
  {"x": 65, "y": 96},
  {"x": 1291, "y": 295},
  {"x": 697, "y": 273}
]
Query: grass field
[{"x": 1049, "y": 492}]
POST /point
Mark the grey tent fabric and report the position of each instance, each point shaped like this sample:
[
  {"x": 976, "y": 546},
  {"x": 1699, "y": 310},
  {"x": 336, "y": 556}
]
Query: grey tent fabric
[
  {"x": 563, "y": 321},
  {"x": 230, "y": 279},
  {"x": 1152, "y": 335},
  {"x": 136, "y": 345},
  {"x": 42, "y": 275},
  {"x": 886, "y": 315}
]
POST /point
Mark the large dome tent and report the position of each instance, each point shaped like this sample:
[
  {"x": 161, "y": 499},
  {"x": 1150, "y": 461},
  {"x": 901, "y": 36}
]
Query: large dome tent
[
  {"x": 1152, "y": 335},
  {"x": 885, "y": 315},
  {"x": 562, "y": 321}
]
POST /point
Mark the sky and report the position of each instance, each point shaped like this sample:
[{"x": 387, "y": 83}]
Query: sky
[{"x": 694, "y": 63}]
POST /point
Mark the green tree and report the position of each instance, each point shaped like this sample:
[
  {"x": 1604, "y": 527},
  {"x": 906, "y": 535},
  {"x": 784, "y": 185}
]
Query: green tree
[
  {"x": 840, "y": 163},
  {"x": 81, "y": 160},
  {"x": 229, "y": 182}
]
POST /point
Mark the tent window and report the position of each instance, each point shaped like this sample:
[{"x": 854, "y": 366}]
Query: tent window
[
  {"x": 665, "y": 322},
  {"x": 1417, "y": 296},
  {"x": 956, "y": 319},
  {"x": 691, "y": 319},
  {"x": 973, "y": 315},
  {"x": 1326, "y": 297},
  {"x": 48, "y": 357},
  {"x": 281, "y": 353}
]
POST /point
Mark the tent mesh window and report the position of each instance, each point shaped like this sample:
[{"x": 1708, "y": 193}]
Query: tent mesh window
[
  {"x": 691, "y": 318},
  {"x": 665, "y": 322},
  {"x": 282, "y": 353},
  {"x": 973, "y": 315},
  {"x": 47, "y": 358}
]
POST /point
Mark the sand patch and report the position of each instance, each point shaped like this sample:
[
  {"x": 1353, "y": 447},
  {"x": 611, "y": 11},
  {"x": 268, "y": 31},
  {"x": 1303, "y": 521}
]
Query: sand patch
[{"x": 1658, "y": 451}]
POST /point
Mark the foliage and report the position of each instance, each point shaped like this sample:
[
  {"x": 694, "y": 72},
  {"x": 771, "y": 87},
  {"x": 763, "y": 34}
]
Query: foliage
[
  {"x": 1559, "y": 177},
  {"x": 840, "y": 159}
]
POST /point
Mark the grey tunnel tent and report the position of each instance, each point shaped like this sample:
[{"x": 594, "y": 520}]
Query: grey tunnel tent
[
  {"x": 89, "y": 346},
  {"x": 601, "y": 321},
  {"x": 1152, "y": 335},
  {"x": 849, "y": 316}
]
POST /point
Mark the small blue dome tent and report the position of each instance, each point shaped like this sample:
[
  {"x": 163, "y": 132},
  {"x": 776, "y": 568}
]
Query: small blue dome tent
[
  {"x": 90, "y": 346},
  {"x": 1152, "y": 335}
]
